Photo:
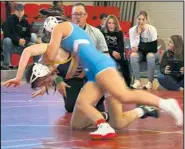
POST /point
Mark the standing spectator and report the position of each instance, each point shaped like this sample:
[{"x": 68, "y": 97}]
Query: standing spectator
[
  {"x": 143, "y": 40},
  {"x": 175, "y": 51},
  {"x": 103, "y": 18},
  {"x": 17, "y": 35},
  {"x": 115, "y": 41}
]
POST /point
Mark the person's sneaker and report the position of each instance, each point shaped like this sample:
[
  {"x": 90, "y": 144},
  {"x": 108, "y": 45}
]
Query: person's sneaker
[
  {"x": 175, "y": 111},
  {"x": 148, "y": 86},
  {"x": 105, "y": 115},
  {"x": 104, "y": 131},
  {"x": 149, "y": 111},
  {"x": 136, "y": 85}
]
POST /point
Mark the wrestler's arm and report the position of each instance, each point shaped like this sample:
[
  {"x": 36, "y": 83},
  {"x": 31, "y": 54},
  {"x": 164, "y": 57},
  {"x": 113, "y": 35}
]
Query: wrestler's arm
[
  {"x": 28, "y": 52},
  {"x": 54, "y": 43}
]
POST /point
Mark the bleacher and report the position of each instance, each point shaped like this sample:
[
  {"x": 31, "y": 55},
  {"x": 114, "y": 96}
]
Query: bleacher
[{"x": 32, "y": 10}]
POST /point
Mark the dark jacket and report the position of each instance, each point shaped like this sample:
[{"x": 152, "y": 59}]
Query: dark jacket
[
  {"x": 99, "y": 27},
  {"x": 15, "y": 30},
  {"x": 168, "y": 55},
  {"x": 115, "y": 42}
]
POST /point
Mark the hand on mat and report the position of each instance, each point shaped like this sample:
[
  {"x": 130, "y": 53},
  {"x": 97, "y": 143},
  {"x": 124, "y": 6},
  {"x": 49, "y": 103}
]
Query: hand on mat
[
  {"x": 116, "y": 55},
  {"x": 12, "y": 82},
  {"x": 182, "y": 70},
  {"x": 62, "y": 88},
  {"x": 167, "y": 70},
  {"x": 39, "y": 92}
]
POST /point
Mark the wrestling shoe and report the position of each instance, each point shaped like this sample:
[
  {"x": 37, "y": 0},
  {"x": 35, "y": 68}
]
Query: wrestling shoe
[
  {"x": 173, "y": 109},
  {"x": 149, "y": 111},
  {"x": 104, "y": 131}
]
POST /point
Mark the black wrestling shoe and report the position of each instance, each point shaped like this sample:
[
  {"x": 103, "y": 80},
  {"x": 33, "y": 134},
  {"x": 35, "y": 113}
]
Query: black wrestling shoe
[
  {"x": 149, "y": 111},
  {"x": 105, "y": 115}
]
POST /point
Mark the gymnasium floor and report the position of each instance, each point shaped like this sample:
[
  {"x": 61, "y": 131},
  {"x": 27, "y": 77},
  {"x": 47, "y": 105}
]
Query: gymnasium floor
[{"x": 31, "y": 124}]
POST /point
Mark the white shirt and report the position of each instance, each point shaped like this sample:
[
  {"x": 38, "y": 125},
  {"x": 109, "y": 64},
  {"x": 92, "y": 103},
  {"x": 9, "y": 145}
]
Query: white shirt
[
  {"x": 149, "y": 35},
  {"x": 97, "y": 37}
]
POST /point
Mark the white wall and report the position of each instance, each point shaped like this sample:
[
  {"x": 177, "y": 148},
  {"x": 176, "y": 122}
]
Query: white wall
[{"x": 167, "y": 17}]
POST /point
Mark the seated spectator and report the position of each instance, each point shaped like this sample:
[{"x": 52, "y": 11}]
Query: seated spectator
[
  {"x": 17, "y": 36},
  {"x": 103, "y": 18},
  {"x": 115, "y": 42},
  {"x": 143, "y": 40},
  {"x": 55, "y": 10},
  {"x": 175, "y": 51}
]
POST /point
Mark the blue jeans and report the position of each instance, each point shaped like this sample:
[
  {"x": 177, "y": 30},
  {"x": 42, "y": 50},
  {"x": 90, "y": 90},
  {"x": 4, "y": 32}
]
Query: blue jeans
[
  {"x": 151, "y": 58},
  {"x": 169, "y": 83},
  {"x": 9, "y": 48}
]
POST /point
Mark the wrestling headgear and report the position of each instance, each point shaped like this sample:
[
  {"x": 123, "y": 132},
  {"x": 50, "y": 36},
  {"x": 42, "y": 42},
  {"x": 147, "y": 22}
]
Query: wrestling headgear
[{"x": 39, "y": 70}]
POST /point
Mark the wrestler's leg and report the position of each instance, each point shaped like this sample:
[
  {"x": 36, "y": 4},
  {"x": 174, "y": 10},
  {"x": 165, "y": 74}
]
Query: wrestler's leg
[
  {"x": 119, "y": 119},
  {"x": 84, "y": 107},
  {"x": 125, "y": 95}
]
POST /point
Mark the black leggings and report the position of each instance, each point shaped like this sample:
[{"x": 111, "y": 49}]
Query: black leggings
[
  {"x": 124, "y": 64},
  {"x": 72, "y": 94}
]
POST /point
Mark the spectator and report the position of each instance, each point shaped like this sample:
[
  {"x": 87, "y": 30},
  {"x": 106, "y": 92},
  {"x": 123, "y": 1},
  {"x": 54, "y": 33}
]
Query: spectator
[
  {"x": 17, "y": 35},
  {"x": 143, "y": 40},
  {"x": 175, "y": 51},
  {"x": 115, "y": 41},
  {"x": 103, "y": 18}
]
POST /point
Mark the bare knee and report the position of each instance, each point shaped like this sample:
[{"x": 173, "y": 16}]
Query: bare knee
[{"x": 118, "y": 124}]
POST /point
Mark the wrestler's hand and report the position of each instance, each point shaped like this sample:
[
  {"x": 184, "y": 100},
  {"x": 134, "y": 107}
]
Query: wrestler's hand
[
  {"x": 39, "y": 92},
  {"x": 62, "y": 88},
  {"x": 12, "y": 82}
]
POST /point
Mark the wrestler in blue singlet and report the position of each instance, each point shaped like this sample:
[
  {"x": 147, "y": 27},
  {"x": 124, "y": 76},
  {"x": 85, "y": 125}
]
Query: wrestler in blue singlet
[{"x": 91, "y": 59}]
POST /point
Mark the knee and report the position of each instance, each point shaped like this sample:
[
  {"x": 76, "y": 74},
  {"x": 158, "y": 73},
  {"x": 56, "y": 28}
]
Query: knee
[
  {"x": 160, "y": 76},
  {"x": 150, "y": 56},
  {"x": 7, "y": 41},
  {"x": 134, "y": 57},
  {"x": 75, "y": 126},
  {"x": 117, "y": 126},
  {"x": 163, "y": 78},
  {"x": 33, "y": 38}
]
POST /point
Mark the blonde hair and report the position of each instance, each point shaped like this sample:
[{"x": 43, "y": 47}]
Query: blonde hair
[{"x": 117, "y": 25}]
